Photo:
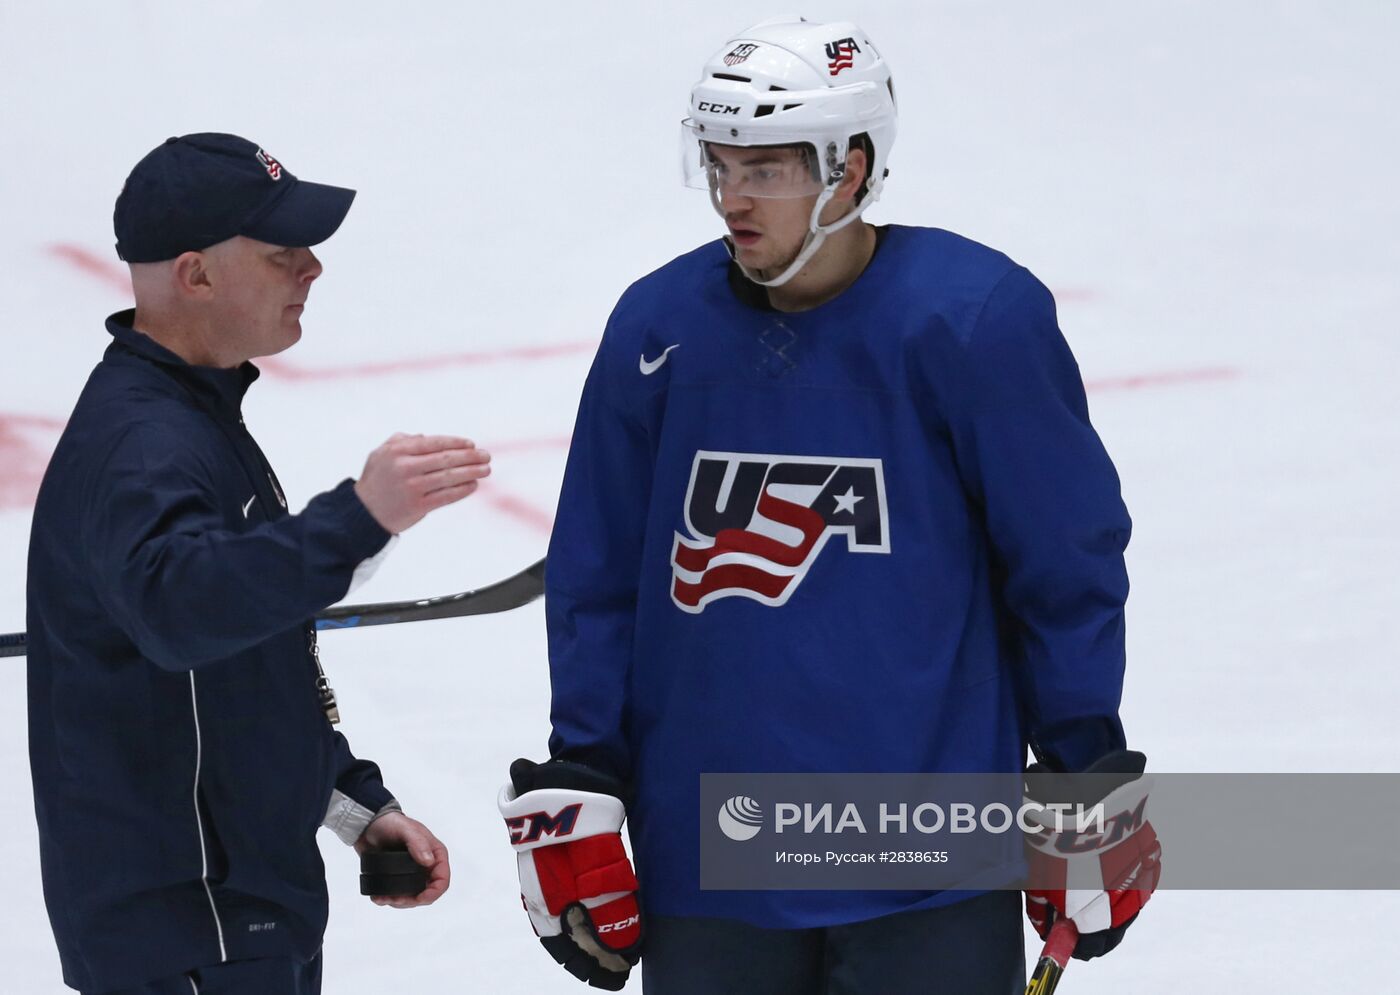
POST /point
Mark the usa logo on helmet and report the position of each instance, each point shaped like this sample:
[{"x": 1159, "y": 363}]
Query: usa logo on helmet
[
  {"x": 841, "y": 55},
  {"x": 740, "y": 53},
  {"x": 757, "y": 522}
]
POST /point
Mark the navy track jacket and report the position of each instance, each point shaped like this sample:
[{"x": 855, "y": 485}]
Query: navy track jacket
[{"x": 180, "y": 757}]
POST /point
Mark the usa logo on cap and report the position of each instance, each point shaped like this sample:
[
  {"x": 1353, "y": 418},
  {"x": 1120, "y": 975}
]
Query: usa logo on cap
[{"x": 273, "y": 167}]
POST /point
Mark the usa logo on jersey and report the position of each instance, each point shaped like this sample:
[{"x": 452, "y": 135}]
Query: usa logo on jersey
[{"x": 757, "y": 522}]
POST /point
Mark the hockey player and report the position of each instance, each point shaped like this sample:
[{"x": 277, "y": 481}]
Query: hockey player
[{"x": 833, "y": 504}]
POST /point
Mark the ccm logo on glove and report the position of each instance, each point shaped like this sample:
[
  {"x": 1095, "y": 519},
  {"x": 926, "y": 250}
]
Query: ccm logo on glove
[
  {"x": 1117, "y": 827},
  {"x": 543, "y": 824},
  {"x": 613, "y": 927}
]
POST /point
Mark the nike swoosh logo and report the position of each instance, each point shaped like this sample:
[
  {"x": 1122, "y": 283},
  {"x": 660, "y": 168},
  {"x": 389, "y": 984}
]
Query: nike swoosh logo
[
  {"x": 249, "y": 505},
  {"x": 648, "y": 367}
]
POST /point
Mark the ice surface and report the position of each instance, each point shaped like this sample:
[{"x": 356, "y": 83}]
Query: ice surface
[{"x": 1210, "y": 187}]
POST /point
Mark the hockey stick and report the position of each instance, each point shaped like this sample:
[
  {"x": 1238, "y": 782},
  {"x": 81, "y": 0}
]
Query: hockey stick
[
  {"x": 502, "y": 596},
  {"x": 1053, "y": 959}
]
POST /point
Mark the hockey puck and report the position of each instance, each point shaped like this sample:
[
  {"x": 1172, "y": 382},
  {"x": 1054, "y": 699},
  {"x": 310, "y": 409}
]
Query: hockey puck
[{"x": 388, "y": 873}]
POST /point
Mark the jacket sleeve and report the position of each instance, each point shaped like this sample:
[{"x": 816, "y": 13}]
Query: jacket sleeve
[
  {"x": 359, "y": 793},
  {"x": 1054, "y": 515},
  {"x": 188, "y": 591},
  {"x": 595, "y": 556}
]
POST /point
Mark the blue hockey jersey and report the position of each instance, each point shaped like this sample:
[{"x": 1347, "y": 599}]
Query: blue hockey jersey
[{"x": 880, "y": 535}]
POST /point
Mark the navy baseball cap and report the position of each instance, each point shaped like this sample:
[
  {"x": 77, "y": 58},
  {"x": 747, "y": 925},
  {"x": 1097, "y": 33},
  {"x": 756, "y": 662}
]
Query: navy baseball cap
[{"x": 198, "y": 190}]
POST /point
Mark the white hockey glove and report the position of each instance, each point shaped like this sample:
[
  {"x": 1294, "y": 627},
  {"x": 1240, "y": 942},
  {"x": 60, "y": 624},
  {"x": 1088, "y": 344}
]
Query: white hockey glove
[
  {"x": 1099, "y": 880},
  {"x": 576, "y": 880}
]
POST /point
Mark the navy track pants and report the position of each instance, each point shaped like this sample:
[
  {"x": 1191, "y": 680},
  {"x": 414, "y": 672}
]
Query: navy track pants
[{"x": 267, "y": 976}]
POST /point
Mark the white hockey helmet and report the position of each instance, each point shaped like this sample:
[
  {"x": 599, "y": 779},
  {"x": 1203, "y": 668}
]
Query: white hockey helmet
[{"x": 789, "y": 81}]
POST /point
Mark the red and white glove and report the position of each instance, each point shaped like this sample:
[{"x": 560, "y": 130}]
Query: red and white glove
[
  {"x": 576, "y": 881},
  {"x": 1099, "y": 880}
]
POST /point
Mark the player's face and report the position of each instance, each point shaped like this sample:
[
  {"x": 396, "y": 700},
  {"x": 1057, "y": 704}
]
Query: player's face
[
  {"x": 767, "y": 229},
  {"x": 260, "y": 292}
]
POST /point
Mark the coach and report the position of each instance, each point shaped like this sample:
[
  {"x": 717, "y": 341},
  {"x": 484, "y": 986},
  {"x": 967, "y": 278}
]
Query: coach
[{"x": 181, "y": 738}]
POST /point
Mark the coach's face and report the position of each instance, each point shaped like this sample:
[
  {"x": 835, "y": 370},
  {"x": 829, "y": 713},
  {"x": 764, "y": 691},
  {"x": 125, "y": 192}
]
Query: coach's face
[{"x": 258, "y": 293}]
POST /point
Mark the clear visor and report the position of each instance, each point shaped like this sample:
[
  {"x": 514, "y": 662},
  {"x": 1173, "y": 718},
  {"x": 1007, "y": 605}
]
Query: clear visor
[{"x": 781, "y": 171}]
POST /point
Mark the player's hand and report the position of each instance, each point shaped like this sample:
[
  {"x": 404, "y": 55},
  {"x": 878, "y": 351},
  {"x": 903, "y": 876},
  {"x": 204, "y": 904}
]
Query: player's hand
[
  {"x": 575, "y": 879},
  {"x": 396, "y": 831},
  {"x": 1101, "y": 881},
  {"x": 411, "y": 475}
]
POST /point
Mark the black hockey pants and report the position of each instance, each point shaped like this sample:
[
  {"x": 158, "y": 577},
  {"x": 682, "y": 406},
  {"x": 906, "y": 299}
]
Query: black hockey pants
[{"x": 971, "y": 948}]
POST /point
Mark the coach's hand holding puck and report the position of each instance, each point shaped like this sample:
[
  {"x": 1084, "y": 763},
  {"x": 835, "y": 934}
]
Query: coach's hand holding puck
[
  {"x": 391, "y": 874},
  {"x": 402, "y": 864}
]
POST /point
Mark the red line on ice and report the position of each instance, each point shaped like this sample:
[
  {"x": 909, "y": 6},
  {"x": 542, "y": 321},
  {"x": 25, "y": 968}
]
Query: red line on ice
[
  {"x": 107, "y": 272},
  {"x": 32, "y": 421},
  {"x": 24, "y": 455},
  {"x": 521, "y": 510},
  {"x": 525, "y": 445},
  {"x": 1169, "y": 378},
  {"x": 427, "y": 364},
  {"x": 116, "y": 278}
]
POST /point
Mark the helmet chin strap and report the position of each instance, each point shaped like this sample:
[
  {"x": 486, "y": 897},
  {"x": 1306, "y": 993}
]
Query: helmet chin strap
[{"x": 816, "y": 235}]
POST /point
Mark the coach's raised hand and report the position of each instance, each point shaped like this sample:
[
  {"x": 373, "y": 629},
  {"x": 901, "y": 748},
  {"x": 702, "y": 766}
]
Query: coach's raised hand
[{"x": 411, "y": 475}]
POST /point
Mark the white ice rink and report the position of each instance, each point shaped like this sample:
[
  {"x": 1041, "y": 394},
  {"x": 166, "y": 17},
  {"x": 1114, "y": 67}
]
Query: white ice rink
[{"x": 1209, "y": 185}]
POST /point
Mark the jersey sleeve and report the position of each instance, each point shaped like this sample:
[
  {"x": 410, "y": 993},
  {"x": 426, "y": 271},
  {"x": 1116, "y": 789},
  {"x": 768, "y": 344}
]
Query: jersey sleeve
[
  {"x": 1033, "y": 463},
  {"x": 595, "y": 556},
  {"x": 188, "y": 591}
]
